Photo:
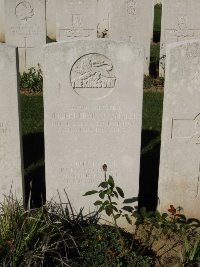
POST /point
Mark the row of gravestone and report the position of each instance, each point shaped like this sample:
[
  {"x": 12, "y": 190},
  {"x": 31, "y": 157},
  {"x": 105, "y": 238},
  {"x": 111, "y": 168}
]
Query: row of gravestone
[
  {"x": 25, "y": 24},
  {"x": 93, "y": 94}
]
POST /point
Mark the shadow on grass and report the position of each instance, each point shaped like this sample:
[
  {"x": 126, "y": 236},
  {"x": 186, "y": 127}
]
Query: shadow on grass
[
  {"x": 33, "y": 148},
  {"x": 149, "y": 171},
  {"x": 33, "y": 152}
]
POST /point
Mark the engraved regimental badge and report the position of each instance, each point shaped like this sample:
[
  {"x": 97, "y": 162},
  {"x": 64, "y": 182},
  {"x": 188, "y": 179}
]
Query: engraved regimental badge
[
  {"x": 24, "y": 11},
  {"x": 93, "y": 76}
]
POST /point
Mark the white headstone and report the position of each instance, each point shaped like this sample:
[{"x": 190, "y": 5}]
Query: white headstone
[
  {"x": 93, "y": 114},
  {"x": 10, "y": 139},
  {"x": 25, "y": 27},
  {"x": 2, "y": 35},
  {"x": 76, "y": 19},
  {"x": 157, "y": 2},
  {"x": 180, "y": 22},
  {"x": 104, "y": 8},
  {"x": 132, "y": 20},
  {"x": 179, "y": 179},
  {"x": 51, "y": 18}
]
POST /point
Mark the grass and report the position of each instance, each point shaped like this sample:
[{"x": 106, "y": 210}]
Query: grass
[{"x": 157, "y": 17}]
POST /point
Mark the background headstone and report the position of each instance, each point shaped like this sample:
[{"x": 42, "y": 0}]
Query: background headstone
[
  {"x": 2, "y": 35},
  {"x": 51, "y": 18},
  {"x": 10, "y": 139},
  {"x": 132, "y": 20},
  {"x": 179, "y": 179},
  {"x": 25, "y": 27},
  {"x": 104, "y": 8},
  {"x": 180, "y": 22},
  {"x": 76, "y": 19},
  {"x": 93, "y": 114}
]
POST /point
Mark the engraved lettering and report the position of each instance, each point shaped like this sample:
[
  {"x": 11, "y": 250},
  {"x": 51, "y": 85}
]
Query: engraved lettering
[{"x": 93, "y": 71}]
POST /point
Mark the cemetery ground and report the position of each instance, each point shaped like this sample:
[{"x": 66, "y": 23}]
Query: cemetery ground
[{"x": 55, "y": 235}]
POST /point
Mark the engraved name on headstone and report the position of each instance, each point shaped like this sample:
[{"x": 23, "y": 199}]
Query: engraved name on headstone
[
  {"x": 76, "y": 19},
  {"x": 93, "y": 113},
  {"x": 180, "y": 22},
  {"x": 25, "y": 27},
  {"x": 10, "y": 139},
  {"x": 179, "y": 179}
]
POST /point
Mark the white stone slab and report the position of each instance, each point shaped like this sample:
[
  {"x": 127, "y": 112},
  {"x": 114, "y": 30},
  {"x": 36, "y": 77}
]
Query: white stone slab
[
  {"x": 10, "y": 139},
  {"x": 180, "y": 22},
  {"x": 93, "y": 114},
  {"x": 25, "y": 27},
  {"x": 132, "y": 21},
  {"x": 179, "y": 181},
  {"x": 2, "y": 35},
  {"x": 51, "y": 18},
  {"x": 76, "y": 19}
]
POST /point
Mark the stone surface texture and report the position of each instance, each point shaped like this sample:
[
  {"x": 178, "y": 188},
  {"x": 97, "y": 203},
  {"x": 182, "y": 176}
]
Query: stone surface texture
[
  {"x": 76, "y": 19},
  {"x": 180, "y": 22},
  {"x": 132, "y": 20},
  {"x": 10, "y": 138},
  {"x": 25, "y": 27},
  {"x": 179, "y": 178},
  {"x": 93, "y": 114},
  {"x": 51, "y": 18},
  {"x": 2, "y": 35}
]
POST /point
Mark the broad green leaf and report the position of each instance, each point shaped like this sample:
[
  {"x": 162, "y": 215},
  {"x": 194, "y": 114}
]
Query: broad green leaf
[
  {"x": 108, "y": 191},
  {"x": 108, "y": 210},
  {"x": 128, "y": 219},
  {"x": 102, "y": 208},
  {"x": 102, "y": 194},
  {"x": 111, "y": 181},
  {"x": 103, "y": 185},
  {"x": 90, "y": 193},
  {"x": 115, "y": 208},
  {"x": 120, "y": 191},
  {"x": 97, "y": 203}
]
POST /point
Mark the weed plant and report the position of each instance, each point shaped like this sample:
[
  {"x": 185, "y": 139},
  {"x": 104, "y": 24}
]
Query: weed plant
[{"x": 31, "y": 81}]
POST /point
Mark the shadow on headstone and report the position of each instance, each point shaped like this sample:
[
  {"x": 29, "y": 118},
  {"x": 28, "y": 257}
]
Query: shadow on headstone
[
  {"x": 33, "y": 151},
  {"x": 149, "y": 171}
]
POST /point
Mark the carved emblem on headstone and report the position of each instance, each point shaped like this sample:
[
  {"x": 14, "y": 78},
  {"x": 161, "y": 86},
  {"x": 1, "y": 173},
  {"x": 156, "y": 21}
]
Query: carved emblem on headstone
[
  {"x": 94, "y": 72},
  {"x": 131, "y": 7},
  {"x": 24, "y": 11},
  {"x": 76, "y": 20}
]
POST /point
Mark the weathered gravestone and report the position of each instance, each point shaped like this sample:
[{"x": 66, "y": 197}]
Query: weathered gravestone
[
  {"x": 93, "y": 114},
  {"x": 179, "y": 180},
  {"x": 51, "y": 18},
  {"x": 25, "y": 27},
  {"x": 10, "y": 139},
  {"x": 104, "y": 9},
  {"x": 132, "y": 20},
  {"x": 2, "y": 37},
  {"x": 76, "y": 19},
  {"x": 180, "y": 22}
]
